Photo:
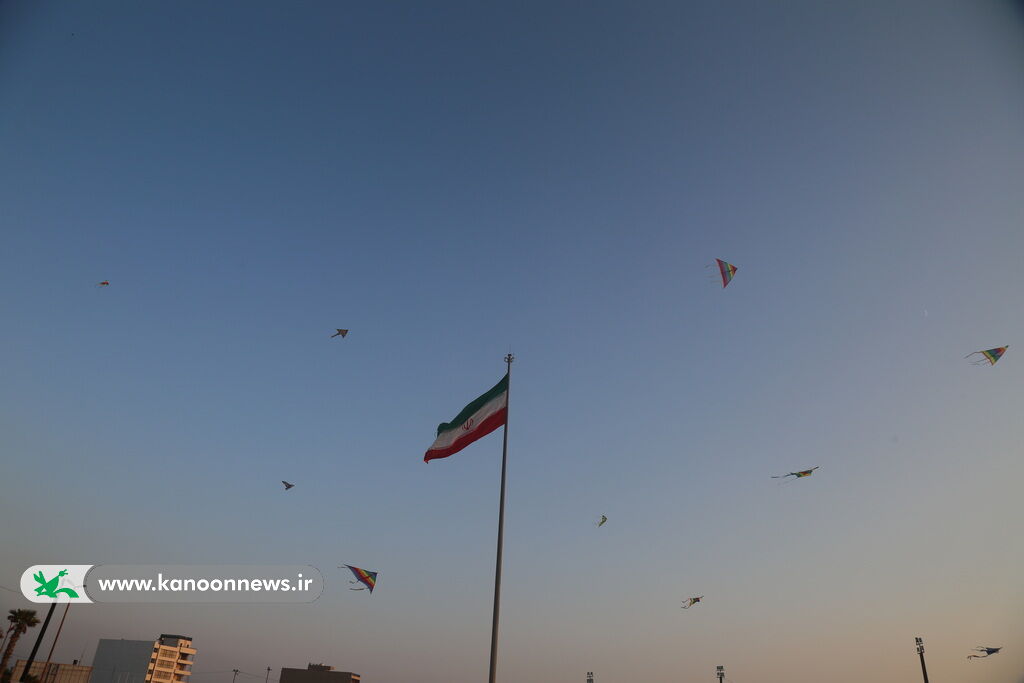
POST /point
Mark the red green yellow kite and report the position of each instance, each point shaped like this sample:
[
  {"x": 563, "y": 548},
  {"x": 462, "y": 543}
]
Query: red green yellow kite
[
  {"x": 727, "y": 271},
  {"x": 368, "y": 579},
  {"x": 990, "y": 356}
]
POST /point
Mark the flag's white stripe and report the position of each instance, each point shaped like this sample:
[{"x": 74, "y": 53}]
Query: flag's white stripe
[{"x": 447, "y": 438}]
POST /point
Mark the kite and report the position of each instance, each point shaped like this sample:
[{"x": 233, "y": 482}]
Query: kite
[
  {"x": 990, "y": 356},
  {"x": 339, "y": 333},
  {"x": 690, "y": 602},
  {"x": 989, "y": 651},
  {"x": 105, "y": 283},
  {"x": 726, "y": 270},
  {"x": 287, "y": 485},
  {"x": 798, "y": 475},
  {"x": 601, "y": 522},
  {"x": 368, "y": 579}
]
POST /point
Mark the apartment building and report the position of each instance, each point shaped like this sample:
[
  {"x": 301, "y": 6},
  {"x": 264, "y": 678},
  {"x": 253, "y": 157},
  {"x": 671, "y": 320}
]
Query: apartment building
[{"x": 169, "y": 659}]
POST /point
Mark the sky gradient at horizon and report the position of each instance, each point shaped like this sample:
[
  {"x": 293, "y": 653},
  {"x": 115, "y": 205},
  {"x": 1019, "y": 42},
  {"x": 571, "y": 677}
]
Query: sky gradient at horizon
[{"x": 454, "y": 180}]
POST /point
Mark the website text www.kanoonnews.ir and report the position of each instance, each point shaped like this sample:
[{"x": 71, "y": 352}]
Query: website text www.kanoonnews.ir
[{"x": 173, "y": 583}]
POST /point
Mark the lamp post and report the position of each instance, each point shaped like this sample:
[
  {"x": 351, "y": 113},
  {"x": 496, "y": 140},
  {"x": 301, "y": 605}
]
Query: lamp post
[
  {"x": 720, "y": 672},
  {"x": 920, "y": 652}
]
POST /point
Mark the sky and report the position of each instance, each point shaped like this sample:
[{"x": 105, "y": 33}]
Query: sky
[{"x": 454, "y": 180}]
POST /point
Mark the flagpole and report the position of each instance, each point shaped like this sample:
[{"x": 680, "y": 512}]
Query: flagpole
[{"x": 501, "y": 526}]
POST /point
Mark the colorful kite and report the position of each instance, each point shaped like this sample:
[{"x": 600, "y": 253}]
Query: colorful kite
[
  {"x": 105, "y": 283},
  {"x": 798, "y": 475},
  {"x": 601, "y": 521},
  {"x": 368, "y": 579},
  {"x": 287, "y": 485},
  {"x": 339, "y": 333},
  {"x": 990, "y": 356},
  {"x": 727, "y": 271},
  {"x": 989, "y": 651},
  {"x": 690, "y": 602}
]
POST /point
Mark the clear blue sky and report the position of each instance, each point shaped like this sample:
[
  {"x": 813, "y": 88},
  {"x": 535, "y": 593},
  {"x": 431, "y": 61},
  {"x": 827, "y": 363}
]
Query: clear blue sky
[{"x": 449, "y": 180}]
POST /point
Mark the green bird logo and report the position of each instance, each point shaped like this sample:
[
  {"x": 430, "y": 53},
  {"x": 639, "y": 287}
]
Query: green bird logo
[{"x": 49, "y": 588}]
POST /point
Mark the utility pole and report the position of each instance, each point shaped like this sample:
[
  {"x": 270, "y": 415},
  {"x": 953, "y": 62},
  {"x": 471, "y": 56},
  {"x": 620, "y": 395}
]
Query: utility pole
[
  {"x": 39, "y": 639},
  {"x": 46, "y": 667},
  {"x": 920, "y": 651},
  {"x": 268, "y": 675},
  {"x": 590, "y": 677},
  {"x": 720, "y": 672}
]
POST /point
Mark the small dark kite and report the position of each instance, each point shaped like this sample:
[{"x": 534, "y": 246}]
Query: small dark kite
[{"x": 799, "y": 475}]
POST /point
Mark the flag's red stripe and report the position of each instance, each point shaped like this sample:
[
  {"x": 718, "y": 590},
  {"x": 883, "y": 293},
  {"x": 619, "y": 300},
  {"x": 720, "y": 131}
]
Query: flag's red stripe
[{"x": 483, "y": 429}]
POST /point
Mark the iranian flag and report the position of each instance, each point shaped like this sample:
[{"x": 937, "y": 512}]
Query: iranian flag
[{"x": 481, "y": 417}]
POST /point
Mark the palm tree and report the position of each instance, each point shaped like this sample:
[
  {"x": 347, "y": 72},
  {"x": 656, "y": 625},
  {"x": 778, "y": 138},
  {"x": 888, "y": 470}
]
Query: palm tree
[
  {"x": 21, "y": 621},
  {"x": 3, "y": 641}
]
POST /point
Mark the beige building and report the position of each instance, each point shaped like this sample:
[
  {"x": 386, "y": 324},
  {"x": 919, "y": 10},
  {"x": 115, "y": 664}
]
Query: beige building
[
  {"x": 172, "y": 660},
  {"x": 53, "y": 672},
  {"x": 317, "y": 673},
  {"x": 167, "y": 660}
]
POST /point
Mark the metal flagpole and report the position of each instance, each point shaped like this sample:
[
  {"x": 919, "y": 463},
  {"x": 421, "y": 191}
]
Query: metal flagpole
[{"x": 501, "y": 527}]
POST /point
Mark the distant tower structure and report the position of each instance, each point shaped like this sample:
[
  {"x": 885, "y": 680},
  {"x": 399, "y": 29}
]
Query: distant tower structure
[
  {"x": 720, "y": 672},
  {"x": 920, "y": 653},
  {"x": 590, "y": 677}
]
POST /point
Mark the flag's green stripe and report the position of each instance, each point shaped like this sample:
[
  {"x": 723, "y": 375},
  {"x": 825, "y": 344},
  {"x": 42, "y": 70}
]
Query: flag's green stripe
[{"x": 467, "y": 412}]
